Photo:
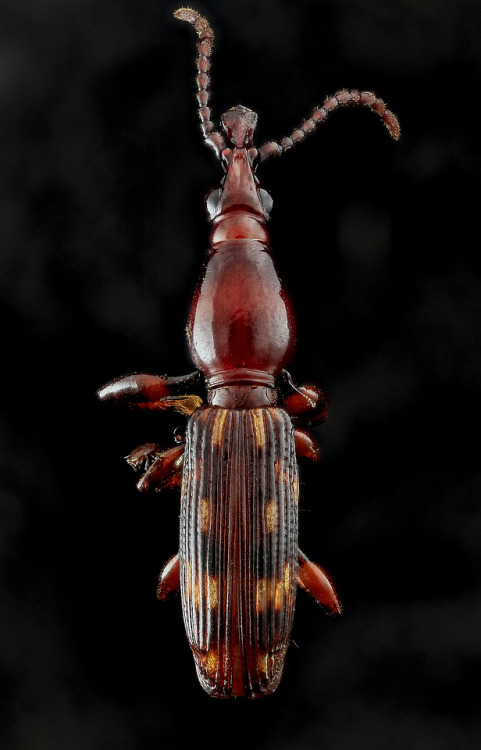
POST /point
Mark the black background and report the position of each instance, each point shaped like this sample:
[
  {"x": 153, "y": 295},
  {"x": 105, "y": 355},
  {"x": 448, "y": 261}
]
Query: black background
[{"x": 102, "y": 178}]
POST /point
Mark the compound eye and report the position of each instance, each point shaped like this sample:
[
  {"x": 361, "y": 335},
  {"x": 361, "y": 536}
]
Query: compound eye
[
  {"x": 212, "y": 202},
  {"x": 266, "y": 200}
]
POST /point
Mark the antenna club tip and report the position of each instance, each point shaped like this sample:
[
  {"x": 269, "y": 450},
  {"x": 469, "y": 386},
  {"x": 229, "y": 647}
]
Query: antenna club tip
[
  {"x": 186, "y": 14},
  {"x": 392, "y": 124},
  {"x": 190, "y": 15},
  {"x": 200, "y": 24},
  {"x": 379, "y": 107}
]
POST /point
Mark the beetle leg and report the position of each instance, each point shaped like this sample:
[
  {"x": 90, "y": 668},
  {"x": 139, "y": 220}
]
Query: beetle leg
[
  {"x": 143, "y": 456},
  {"x": 169, "y": 578},
  {"x": 154, "y": 392},
  {"x": 306, "y": 444},
  {"x": 305, "y": 403},
  {"x": 162, "y": 469},
  {"x": 312, "y": 579}
]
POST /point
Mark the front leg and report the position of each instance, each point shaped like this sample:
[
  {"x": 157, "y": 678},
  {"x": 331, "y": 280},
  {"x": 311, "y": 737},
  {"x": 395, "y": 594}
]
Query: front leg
[
  {"x": 155, "y": 392},
  {"x": 162, "y": 468}
]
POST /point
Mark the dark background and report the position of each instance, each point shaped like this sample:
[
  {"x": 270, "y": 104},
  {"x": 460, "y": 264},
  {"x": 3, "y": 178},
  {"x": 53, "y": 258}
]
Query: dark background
[{"x": 102, "y": 178}]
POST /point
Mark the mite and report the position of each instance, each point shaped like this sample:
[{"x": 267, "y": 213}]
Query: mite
[{"x": 238, "y": 565}]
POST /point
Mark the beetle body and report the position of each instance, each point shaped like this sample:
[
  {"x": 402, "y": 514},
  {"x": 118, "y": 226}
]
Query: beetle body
[{"x": 239, "y": 565}]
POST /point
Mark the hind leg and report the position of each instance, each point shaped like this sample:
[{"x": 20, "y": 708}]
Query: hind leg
[{"x": 312, "y": 579}]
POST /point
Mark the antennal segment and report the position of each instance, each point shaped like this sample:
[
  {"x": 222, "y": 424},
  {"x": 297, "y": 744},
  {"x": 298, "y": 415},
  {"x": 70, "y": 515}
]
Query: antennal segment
[
  {"x": 204, "y": 50},
  {"x": 342, "y": 98}
]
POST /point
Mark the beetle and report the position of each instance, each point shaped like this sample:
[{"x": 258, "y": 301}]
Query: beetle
[{"x": 238, "y": 565}]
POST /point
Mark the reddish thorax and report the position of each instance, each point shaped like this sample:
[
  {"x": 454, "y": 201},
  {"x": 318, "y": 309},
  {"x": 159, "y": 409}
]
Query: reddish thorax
[{"x": 241, "y": 329}]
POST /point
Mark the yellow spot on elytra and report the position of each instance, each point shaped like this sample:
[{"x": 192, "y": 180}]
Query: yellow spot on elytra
[
  {"x": 188, "y": 577},
  {"x": 262, "y": 662},
  {"x": 213, "y": 592},
  {"x": 266, "y": 663},
  {"x": 259, "y": 429},
  {"x": 279, "y": 595},
  {"x": 271, "y": 515},
  {"x": 196, "y": 595},
  {"x": 210, "y": 661},
  {"x": 287, "y": 578},
  {"x": 272, "y": 592},
  {"x": 295, "y": 490},
  {"x": 204, "y": 515},
  {"x": 218, "y": 431}
]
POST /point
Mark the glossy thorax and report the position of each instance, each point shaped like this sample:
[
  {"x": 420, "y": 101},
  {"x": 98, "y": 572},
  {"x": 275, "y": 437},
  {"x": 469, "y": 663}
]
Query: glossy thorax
[{"x": 241, "y": 328}]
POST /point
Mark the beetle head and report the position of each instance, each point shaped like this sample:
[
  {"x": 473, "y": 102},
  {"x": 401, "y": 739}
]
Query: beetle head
[{"x": 239, "y": 124}]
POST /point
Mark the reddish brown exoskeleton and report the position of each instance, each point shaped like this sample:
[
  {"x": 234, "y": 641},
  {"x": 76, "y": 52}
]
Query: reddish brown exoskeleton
[{"x": 238, "y": 565}]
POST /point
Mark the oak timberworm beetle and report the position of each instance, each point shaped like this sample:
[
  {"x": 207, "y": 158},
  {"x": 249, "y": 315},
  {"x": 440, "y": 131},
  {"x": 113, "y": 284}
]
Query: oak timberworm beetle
[{"x": 238, "y": 565}]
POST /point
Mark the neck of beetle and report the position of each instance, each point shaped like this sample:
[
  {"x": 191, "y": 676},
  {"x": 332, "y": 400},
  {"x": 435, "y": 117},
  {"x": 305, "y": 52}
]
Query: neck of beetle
[{"x": 240, "y": 214}]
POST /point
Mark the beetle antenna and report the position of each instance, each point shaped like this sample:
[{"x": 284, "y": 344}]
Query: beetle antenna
[
  {"x": 213, "y": 138},
  {"x": 342, "y": 98}
]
